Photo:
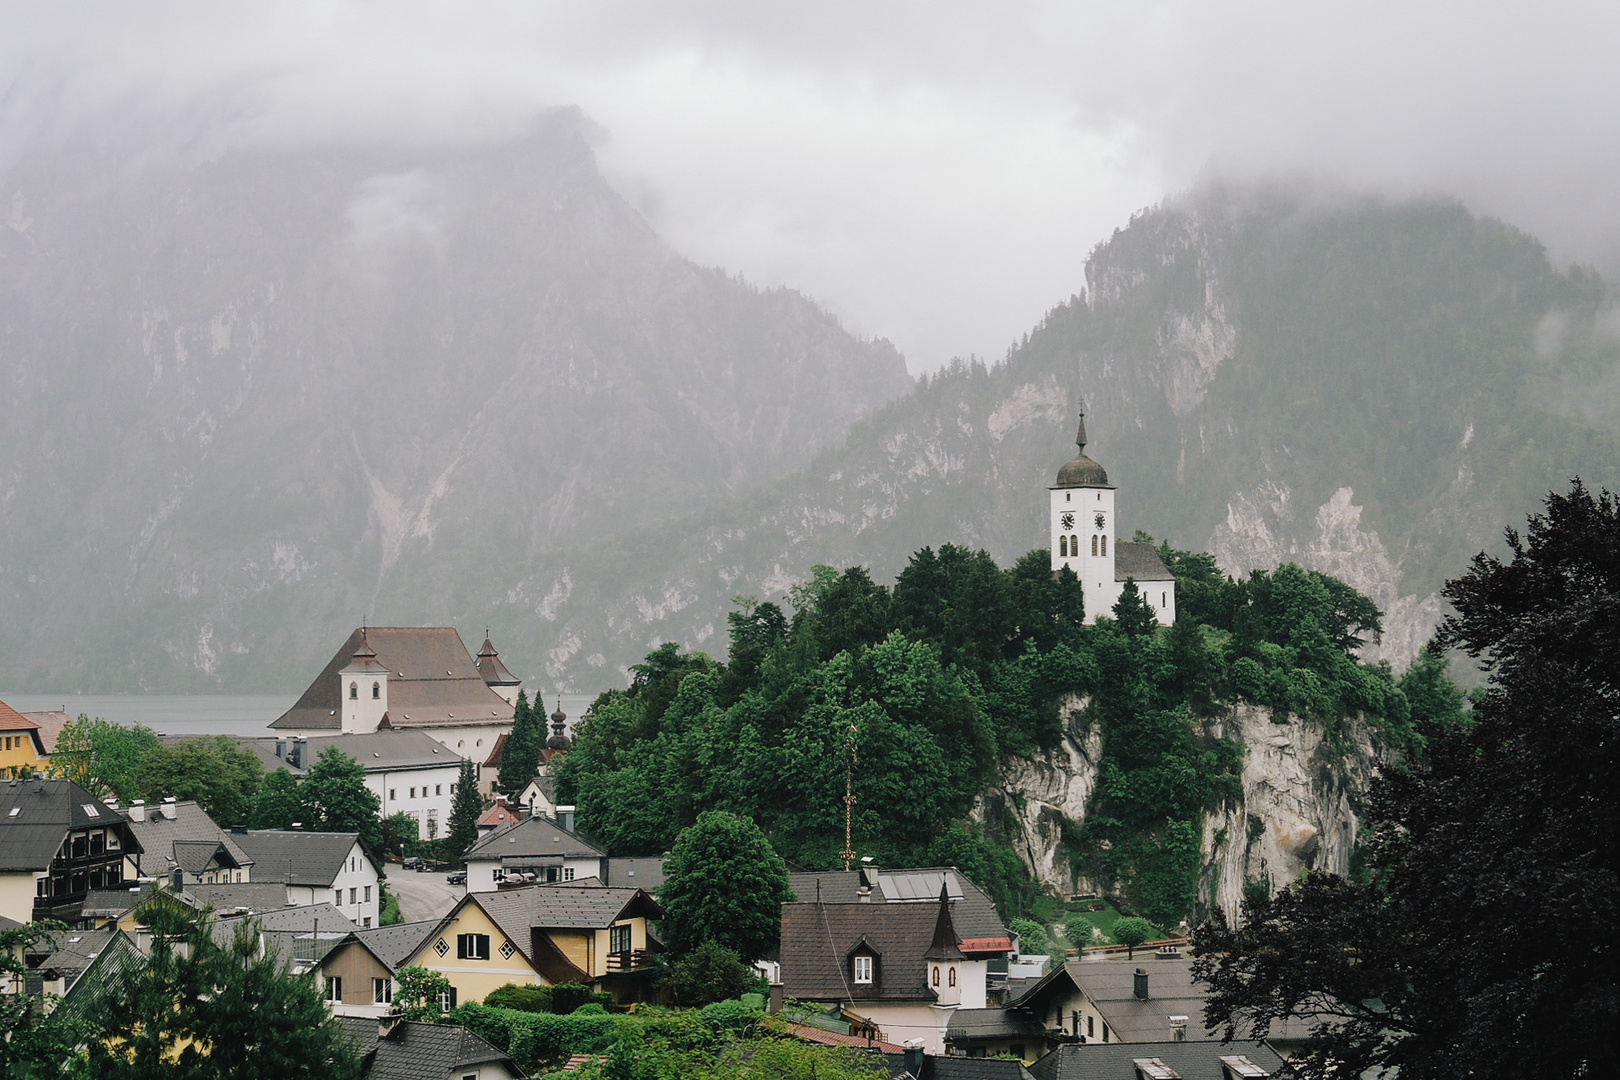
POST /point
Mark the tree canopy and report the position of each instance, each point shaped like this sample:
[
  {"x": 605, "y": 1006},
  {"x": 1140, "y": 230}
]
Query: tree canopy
[
  {"x": 102, "y": 757},
  {"x": 1497, "y": 827},
  {"x": 220, "y": 775},
  {"x": 520, "y": 756},
  {"x": 723, "y": 883},
  {"x": 465, "y": 809},
  {"x": 334, "y": 798}
]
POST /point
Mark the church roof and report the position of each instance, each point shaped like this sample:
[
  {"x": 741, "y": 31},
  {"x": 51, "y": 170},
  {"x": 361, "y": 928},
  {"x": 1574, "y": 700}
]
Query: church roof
[
  {"x": 1140, "y": 562},
  {"x": 491, "y": 668},
  {"x": 432, "y": 682},
  {"x": 1082, "y": 471}
]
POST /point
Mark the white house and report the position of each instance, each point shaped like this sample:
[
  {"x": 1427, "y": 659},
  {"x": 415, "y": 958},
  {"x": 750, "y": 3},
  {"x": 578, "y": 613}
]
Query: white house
[
  {"x": 409, "y": 770},
  {"x": 1082, "y": 536},
  {"x": 317, "y": 868},
  {"x": 535, "y": 850}
]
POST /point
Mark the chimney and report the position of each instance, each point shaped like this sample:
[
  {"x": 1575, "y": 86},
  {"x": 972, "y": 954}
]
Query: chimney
[
  {"x": 168, "y": 810},
  {"x": 137, "y": 810},
  {"x": 281, "y": 748},
  {"x": 386, "y": 1024},
  {"x": 914, "y": 1057},
  {"x": 1141, "y": 989},
  {"x": 565, "y": 818}
]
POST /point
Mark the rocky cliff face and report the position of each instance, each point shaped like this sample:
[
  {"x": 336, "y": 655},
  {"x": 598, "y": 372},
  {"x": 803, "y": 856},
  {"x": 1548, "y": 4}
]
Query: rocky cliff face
[{"x": 1300, "y": 808}]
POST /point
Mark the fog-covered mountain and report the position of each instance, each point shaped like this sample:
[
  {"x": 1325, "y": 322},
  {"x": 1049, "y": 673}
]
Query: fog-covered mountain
[
  {"x": 255, "y": 396},
  {"x": 1373, "y": 389}
]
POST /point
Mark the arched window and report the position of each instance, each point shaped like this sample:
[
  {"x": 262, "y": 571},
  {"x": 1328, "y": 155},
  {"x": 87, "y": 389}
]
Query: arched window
[
  {"x": 1094, "y": 544},
  {"x": 953, "y": 976},
  {"x": 354, "y": 691},
  {"x": 1105, "y": 545},
  {"x": 936, "y": 976},
  {"x": 1063, "y": 546},
  {"x": 376, "y": 691}
]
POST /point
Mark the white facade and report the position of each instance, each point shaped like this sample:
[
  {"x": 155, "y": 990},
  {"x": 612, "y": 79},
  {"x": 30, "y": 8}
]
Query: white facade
[
  {"x": 425, "y": 794},
  {"x": 534, "y": 797},
  {"x": 475, "y": 742},
  {"x": 363, "y": 691},
  {"x": 1082, "y": 528},
  {"x": 486, "y": 875},
  {"x": 353, "y": 891}
]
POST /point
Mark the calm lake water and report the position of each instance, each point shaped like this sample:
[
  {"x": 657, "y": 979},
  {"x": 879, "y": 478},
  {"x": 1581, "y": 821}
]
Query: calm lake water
[{"x": 203, "y": 714}]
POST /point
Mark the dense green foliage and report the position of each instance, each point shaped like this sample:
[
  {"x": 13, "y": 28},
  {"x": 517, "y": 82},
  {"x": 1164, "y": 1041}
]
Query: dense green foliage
[
  {"x": 520, "y": 757},
  {"x": 277, "y": 805},
  {"x": 102, "y": 757},
  {"x": 916, "y": 692},
  {"x": 709, "y": 973},
  {"x": 1131, "y": 931},
  {"x": 421, "y": 994},
  {"x": 40, "y": 1043},
  {"x": 1506, "y": 819},
  {"x": 221, "y": 775},
  {"x": 724, "y": 885},
  {"x": 333, "y": 797},
  {"x": 1032, "y": 938},
  {"x": 465, "y": 809}
]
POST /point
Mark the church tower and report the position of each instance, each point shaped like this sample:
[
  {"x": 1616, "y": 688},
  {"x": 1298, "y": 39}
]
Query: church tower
[{"x": 1082, "y": 527}]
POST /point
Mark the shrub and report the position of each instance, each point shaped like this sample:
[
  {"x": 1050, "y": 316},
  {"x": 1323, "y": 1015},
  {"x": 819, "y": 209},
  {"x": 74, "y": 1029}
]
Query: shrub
[
  {"x": 533, "y": 999},
  {"x": 711, "y": 972},
  {"x": 537, "y": 1040}
]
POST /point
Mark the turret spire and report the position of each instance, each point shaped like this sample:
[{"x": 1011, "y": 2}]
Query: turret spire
[{"x": 1080, "y": 438}]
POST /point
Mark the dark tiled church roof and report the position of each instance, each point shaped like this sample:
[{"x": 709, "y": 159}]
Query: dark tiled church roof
[{"x": 1140, "y": 562}]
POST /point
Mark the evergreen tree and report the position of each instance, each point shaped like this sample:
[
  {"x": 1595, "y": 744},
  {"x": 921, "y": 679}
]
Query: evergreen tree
[
  {"x": 1132, "y": 611},
  {"x": 520, "y": 758},
  {"x": 334, "y": 798},
  {"x": 465, "y": 809},
  {"x": 278, "y": 804}
]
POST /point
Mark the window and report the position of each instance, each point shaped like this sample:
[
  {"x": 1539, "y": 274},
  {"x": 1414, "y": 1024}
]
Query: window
[
  {"x": 936, "y": 974},
  {"x": 438, "y": 789},
  {"x": 382, "y": 991},
  {"x": 1105, "y": 1031},
  {"x": 1094, "y": 545},
  {"x": 376, "y": 691},
  {"x": 337, "y": 897},
  {"x": 1063, "y": 547},
  {"x": 1105, "y": 545},
  {"x": 365, "y": 894},
  {"x": 1016, "y": 1049},
  {"x": 498, "y": 875},
  {"x": 393, "y": 795},
  {"x": 568, "y": 873},
  {"x": 334, "y": 988},
  {"x": 354, "y": 691},
  {"x": 472, "y": 946},
  {"x": 863, "y": 969},
  {"x": 354, "y": 895},
  {"x": 953, "y": 976},
  {"x": 413, "y": 793},
  {"x": 1162, "y": 602},
  {"x": 366, "y": 922},
  {"x": 618, "y": 939},
  {"x": 447, "y": 1001}
]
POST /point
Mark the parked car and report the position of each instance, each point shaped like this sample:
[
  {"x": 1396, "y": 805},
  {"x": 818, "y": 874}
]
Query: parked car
[
  {"x": 458, "y": 877},
  {"x": 411, "y": 863}
]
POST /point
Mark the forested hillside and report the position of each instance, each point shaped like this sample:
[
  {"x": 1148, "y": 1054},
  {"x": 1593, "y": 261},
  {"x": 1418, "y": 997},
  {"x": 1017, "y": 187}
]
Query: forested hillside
[
  {"x": 1367, "y": 388},
  {"x": 918, "y": 692}
]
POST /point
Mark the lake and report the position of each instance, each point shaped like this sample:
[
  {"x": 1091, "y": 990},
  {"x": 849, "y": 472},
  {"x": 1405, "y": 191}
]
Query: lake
[{"x": 203, "y": 714}]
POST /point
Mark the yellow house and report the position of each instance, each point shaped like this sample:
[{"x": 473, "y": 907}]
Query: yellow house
[
  {"x": 543, "y": 935},
  {"x": 22, "y": 751}
]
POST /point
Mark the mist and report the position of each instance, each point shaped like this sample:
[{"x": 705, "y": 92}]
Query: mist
[{"x": 933, "y": 174}]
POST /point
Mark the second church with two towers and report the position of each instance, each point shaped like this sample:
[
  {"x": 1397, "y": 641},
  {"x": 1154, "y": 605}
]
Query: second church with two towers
[{"x": 1082, "y": 526}]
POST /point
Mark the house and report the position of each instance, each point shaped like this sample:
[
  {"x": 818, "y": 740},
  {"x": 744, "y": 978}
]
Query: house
[
  {"x": 22, "y": 747},
  {"x": 979, "y": 1033},
  {"x": 395, "y": 1049},
  {"x": 536, "y": 849},
  {"x": 299, "y": 937},
  {"x": 539, "y": 796},
  {"x": 407, "y": 677},
  {"x": 899, "y": 969},
  {"x": 410, "y": 771},
  {"x": 84, "y": 967},
  {"x": 317, "y": 867},
  {"x": 179, "y": 838},
  {"x": 57, "y": 843},
  {"x": 543, "y": 935},
  {"x": 51, "y": 723},
  {"x": 645, "y": 873},
  {"x": 1160, "y": 1061},
  {"x": 499, "y": 816},
  {"x": 359, "y": 972},
  {"x": 1150, "y": 999},
  {"x": 950, "y": 1067}
]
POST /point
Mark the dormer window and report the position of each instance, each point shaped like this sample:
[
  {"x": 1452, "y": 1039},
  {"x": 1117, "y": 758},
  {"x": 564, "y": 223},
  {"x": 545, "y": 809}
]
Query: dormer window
[
  {"x": 354, "y": 691},
  {"x": 863, "y": 970},
  {"x": 376, "y": 691}
]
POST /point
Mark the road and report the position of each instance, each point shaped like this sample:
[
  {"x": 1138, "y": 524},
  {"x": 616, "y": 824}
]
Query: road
[{"x": 422, "y": 896}]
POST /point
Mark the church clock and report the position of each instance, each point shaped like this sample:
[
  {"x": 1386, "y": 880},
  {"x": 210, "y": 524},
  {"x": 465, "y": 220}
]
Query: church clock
[
  {"x": 1068, "y": 522},
  {"x": 1101, "y": 521}
]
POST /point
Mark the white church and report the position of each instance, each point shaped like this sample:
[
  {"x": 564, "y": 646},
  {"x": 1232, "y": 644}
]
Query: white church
[{"x": 1082, "y": 525}]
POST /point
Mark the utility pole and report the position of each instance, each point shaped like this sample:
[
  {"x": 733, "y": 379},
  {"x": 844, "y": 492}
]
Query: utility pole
[{"x": 848, "y": 854}]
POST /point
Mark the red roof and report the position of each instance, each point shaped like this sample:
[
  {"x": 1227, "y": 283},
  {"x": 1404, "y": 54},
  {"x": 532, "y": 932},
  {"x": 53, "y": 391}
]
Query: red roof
[
  {"x": 832, "y": 1038},
  {"x": 986, "y": 944},
  {"x": 12, "y": 720},
  {"x": 499, "y": 814}
]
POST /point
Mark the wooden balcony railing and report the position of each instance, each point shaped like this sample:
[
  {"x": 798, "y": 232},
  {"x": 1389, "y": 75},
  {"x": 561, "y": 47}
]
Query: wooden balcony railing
[{"x": 635, "y": 960}]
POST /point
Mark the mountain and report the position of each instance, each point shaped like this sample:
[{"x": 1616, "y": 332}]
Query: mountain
[
  {"x": 254, "y": 396},
  {"x": 1371, "y": 388}
]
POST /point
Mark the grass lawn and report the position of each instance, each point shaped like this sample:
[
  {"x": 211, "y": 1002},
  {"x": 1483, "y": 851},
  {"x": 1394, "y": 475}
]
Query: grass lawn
[{"x": 1103, "y": 918}]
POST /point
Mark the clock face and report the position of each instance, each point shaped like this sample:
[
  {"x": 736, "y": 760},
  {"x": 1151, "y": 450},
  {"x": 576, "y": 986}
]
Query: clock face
[
  {"x": 1068, "y": 522},
  {"x": 1100, "y": 519}
]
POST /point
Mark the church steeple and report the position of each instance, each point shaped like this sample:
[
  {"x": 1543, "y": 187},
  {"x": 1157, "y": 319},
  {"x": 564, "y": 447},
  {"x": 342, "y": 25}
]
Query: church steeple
[{"x": 1080, "y": 439}]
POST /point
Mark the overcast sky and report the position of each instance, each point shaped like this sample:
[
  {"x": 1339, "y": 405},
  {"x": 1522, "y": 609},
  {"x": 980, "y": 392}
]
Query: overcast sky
[{"x": 933, "y": 173}]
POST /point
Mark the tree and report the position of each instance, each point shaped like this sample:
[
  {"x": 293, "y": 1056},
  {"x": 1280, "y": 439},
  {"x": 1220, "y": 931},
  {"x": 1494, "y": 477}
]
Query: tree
[
  {"x": 1078, "y": 930},
  {"x": 334, "y": 798},
  {"x": 723, "y": 882},
  {"x": 423, "y": 995},
  {"x": 711, "y": 972},
  {"x": 1508, "y": 821},
  {"x": 221, "y": 776},
  {"x": 1032, "y": 939},
  {"x": 465, "y": 810},
  {"x": 520, "y": 757},
  {"x": 38, "y": 1042},
  {"x": 278, "y": 804},
  {"x": 206, "y": 1008},
  {"x": 102, "y": 757},
  {"x": 1132, "y": 611},
  {"x": 1131, "y": 931},
  {"x": 398, "y": 830}
]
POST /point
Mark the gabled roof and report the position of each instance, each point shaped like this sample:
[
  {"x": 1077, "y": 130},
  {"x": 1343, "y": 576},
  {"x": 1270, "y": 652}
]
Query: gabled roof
[
  {"x": 643, "y": 873},
  {"x": 298, "y": 858},
  {"x": 393, "y": 945},
  {"x": 833, "y": 1038},
  {"x": 491, "y": 668},
  {"x": 104, "y": 976},
  {"x": 536, "y": 837},
  {"x": 566, "y": 907},
  {"x": 51, "y": 723},
  {"x": 817, "y": 938},
  {"x": 11, "y": 720},
  {"x": 433, "y": 681},
  {"x": 498, "y": 815},
  {"x": 388, "y": 750},
  {"x": 1139, "y": 561},
  {"x": 74, "y": 952},
  {"x": 1117, "y": 1061},
  {"x": 974, "y": 913},
  {"x": 35, "y": 815},
  {"x": 227, "y": 897},
  {"x": 415, "y": 1051},
  {"x": 189, "y": 841},
  {"x": 969, "y": 1024},
  {"x": 495, "y": 752}
]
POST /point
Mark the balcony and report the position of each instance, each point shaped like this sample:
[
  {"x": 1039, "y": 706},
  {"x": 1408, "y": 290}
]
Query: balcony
[{"x": 619, "y": 963}]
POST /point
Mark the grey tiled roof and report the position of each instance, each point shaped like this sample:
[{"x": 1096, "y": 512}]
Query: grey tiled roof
[
  {"x": 299, "y": 858},
  {"x": 992, "y": 1024},
  {"x": 967, "y": 1068},
  {"x": 75, "y": 950},
  {"x": 420, "y": 1051},
  {"x": 254, "y": 895},
  {"x": 536, "y": 836},
  {"x": 1115, "y": 1061},
  {"x": 571, "y": 907},
  {"x": 36, "y": 814},
  {"x": 974, "y": 913},
  {"x": 305, "y": 919},
  {"x": 1139, "y": 561},
  {"x": 169, "y": 843},
  {"x": 817, "y": 939},
  {"x": 646, "y": 873},
  {"x": 393, "y": 945},
  {"x": 432, "y": 681},
  {"x": 105, "y": 975}
]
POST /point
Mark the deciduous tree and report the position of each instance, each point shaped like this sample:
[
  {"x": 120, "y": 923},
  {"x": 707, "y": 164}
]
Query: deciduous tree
[
  {"x": 723, "y": 882},
  {"x": 278, "y": 804},
  {"x": 220, "y": 775},
  {"x": 334, "y": 798},
  {"x": 1131, "y": 931},
  {"x": 102, "y": 757}
]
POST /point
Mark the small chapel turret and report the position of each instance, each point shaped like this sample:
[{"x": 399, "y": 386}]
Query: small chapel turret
[{"x": 1083, "y": 539}]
